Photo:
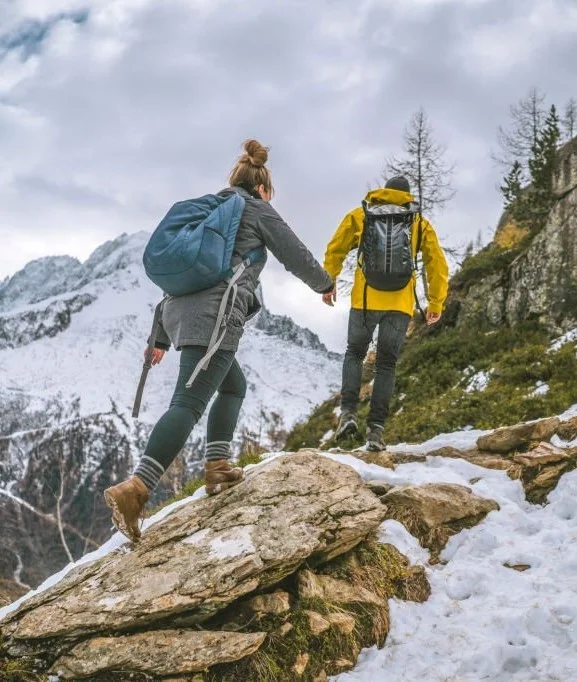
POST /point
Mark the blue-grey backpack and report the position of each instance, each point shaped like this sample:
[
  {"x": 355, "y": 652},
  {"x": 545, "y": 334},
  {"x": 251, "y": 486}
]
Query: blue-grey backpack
[
  {"x": 191, "y": 250},
  {"x": 192, "y": 247}
]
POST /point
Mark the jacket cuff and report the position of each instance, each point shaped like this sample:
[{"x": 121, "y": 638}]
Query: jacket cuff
[
  {"x": 436, "y": 308},
  {"x": 326, "y": 291},
  {"x": 162, "y": 346}
]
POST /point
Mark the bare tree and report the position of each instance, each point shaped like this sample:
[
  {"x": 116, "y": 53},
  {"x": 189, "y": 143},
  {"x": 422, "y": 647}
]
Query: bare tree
[
  {"x": 570, "y": 119},
  {"x": 59, "y": 499},
  {"x": 516, "y": 142},
  {"x": 424, "y": 164}
]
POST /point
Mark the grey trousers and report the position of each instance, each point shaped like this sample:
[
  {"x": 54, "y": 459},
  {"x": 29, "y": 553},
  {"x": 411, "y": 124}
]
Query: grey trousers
[{"x": 393, "y": 327}]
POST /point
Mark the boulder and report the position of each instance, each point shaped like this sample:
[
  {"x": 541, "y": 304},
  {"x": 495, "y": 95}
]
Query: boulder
[
  {"x": 206, "y": 554},
  {"x": 341, "y": 621},
  {"x": 317, "y": 623},
  {"x": 446, "y": 451},
  {"x": 435, "y": 511},
  {"x": 301, "y": 664},
  {"x": 335, "y": 591},
  {"x": 568, "y": 429},
  {"x": 163, "y": 652},
  {"x": 510, "y": 438},
  {"x": 544, "y": 453},
  {"x": 382, "y": 459}
]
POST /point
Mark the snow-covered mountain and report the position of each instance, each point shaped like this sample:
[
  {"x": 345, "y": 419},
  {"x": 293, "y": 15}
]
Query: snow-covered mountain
[
  {"x": 72, "y": 337},
  {"x": 78, "y": 331}
]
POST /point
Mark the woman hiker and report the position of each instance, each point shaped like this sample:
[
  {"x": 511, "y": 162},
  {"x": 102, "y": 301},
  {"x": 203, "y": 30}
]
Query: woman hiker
[{"x": 187, "y": 322}]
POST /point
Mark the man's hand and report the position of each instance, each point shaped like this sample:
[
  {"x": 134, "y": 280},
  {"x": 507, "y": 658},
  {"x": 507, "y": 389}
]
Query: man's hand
[
  {"x": 330, "y": 297},
  {"x": 157, "y": 355},
  {"x": 433, "y": 317}
]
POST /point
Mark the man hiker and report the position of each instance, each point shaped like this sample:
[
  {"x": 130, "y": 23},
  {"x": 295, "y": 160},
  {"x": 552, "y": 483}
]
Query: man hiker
[{"x": 389, "y": 231}]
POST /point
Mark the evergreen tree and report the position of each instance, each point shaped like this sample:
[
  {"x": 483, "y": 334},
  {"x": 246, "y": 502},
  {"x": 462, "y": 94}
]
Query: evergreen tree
[
  {"x": 542, "y": 168},
  {"x": 512, "y": 185}
]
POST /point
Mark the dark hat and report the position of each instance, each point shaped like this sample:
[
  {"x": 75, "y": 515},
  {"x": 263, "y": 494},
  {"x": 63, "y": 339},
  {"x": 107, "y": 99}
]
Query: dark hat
[{"x": 399, "y": 182}]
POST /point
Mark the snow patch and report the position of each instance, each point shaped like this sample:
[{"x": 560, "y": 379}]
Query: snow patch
[
  {"x": 541, "y": 388},
  {"x": 478, "y": 381},
  {"x": 232, "y": 544},
  {"x": 485, "y": 621},
  {"x": 568, "y": 337},
  {"x": 198, "y": 537}
]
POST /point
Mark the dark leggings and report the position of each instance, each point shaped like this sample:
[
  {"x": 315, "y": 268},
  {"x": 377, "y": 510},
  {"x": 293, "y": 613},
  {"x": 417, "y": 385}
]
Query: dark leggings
[{"x": 188, "y": 404}]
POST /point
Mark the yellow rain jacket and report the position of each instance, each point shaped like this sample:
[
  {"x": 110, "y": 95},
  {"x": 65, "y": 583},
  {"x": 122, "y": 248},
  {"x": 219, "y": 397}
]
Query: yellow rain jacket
[{"x": 347, "y": 237}]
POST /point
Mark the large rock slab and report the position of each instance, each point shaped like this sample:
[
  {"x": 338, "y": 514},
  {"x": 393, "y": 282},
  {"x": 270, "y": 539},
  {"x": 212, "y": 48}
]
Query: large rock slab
[
  {"x": 510, "y": 438},
  {"x": 543, "y": 454},
  {"x": 435, "y": 511},
  {"x": 208, "y": 553},
  {"x": 162, "y": 652}
]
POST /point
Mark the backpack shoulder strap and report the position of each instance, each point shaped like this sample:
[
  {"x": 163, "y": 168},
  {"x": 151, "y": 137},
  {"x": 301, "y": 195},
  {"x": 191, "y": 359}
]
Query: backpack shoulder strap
[{"x": 419, "y": 231}]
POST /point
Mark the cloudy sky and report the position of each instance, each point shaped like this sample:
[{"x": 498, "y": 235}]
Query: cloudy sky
[{"x": 111, "y": 110}]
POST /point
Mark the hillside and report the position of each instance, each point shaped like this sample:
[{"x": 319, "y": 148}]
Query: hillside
[{"x": 505, "y": 348}]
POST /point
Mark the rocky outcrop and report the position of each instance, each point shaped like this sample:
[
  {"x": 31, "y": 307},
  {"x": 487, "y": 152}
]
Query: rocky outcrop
[
  {"x": 541, "y": 282},
  {"x": 24, "y": 327},
  {"x": 201, "y": 559},
  {"x": 433, "y": 512}
]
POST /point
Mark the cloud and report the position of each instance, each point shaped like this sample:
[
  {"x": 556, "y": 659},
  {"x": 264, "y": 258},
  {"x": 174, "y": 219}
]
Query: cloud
[{"x": 111, "y": 110}]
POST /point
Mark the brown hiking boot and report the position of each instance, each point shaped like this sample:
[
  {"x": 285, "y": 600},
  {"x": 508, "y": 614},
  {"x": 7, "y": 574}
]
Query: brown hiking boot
[
  {"x": 219, "y": 475},
  {"x": 127, "y": 501}
]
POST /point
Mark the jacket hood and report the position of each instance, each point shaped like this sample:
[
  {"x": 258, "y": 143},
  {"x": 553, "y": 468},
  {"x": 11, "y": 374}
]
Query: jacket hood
[{"x": 389, "y": 196}]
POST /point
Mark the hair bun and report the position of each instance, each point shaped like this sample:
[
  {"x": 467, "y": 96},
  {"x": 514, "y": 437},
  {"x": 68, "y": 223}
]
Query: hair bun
[{"x": 256, "y": 154}]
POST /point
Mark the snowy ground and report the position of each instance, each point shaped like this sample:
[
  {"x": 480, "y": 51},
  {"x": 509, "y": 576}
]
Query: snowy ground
[{"x": 483, "y": 621}]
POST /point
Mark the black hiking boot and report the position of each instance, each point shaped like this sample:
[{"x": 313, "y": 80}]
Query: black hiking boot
[
  {"x": 375, "y": 441},
  {"x": 347, "y": 425}
]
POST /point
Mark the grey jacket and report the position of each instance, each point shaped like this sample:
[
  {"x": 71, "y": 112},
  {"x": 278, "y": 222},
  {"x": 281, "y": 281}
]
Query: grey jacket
[{"x": 189, "y": 320}]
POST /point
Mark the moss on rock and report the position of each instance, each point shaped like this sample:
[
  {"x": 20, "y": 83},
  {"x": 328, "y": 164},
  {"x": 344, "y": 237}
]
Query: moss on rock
[{"x": 379, "y": 569}]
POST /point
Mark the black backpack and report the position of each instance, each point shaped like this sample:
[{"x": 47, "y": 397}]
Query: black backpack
[{"x": 385, "y": 253}]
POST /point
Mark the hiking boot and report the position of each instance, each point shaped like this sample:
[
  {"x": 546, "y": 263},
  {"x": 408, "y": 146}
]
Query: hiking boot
[
  {"x": 127, "y": 501},
  {"x": 375, "y": 441},
  {"x": 347, "y": 425},
  {"x": 219, "y": 475}
]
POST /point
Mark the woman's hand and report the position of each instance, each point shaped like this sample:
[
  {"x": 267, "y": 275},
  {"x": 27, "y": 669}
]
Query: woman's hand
[
  {"x": 330, "y": 297},
  {"x": 432, "y": 318},
  {"x": 157, "y": 355}
]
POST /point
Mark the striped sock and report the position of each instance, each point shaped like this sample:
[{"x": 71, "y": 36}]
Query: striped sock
[
  {"x": 149, "y": 471},
  {"x": 218, "y": 449}
]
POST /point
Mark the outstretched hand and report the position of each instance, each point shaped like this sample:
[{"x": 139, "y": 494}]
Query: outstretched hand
[
  {"x": 433, "y": 317},
  {"x": 157, "y": 355},
  {"x": 330, "y": 297}
]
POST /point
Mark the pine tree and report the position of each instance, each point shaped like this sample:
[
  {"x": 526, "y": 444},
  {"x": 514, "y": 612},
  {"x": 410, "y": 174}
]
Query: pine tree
[
  {"x": 542, "y": 168},
  {"x": 512, "y": 185}
]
